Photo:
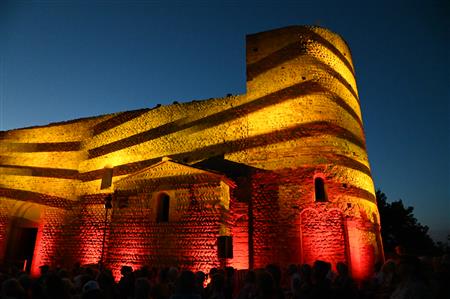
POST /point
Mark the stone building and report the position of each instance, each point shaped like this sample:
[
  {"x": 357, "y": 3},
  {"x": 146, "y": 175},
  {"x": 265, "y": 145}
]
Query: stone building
[{"x": 277, "y": 175}]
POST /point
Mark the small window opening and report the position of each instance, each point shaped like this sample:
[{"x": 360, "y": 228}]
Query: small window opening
[
  {"x": 319, "y": 186},
  {"x": 163, "y": 208}
]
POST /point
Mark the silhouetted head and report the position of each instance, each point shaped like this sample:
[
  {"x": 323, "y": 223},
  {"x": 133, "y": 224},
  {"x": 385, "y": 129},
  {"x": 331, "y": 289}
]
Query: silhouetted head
[
  {"x": 163, "y": 275},
  {"x": 250, "y": 277},
  {"x": 12, "y": 289},
  {"x": 217, "y": 282},
  {"x": 275, "y": 271},
  {"x": 292, "y": 269},
  {"x": 125, "y": 270},
  {"x": 25, "y": 281},
  {"x": 265, "y": 283},
  {"x": 105, "y": 279},
  {"x": 55, "y": 287},
  {"x": 212, "y": 271},
  {"x": 229, "y": 272},
  {"x": 200, "y": 277},
  {"x": 342, "y": 269},
  {"x": 305, "y": 272},
  {"x": 320, "y": 270},
  {"x": 186, "y": 283}
]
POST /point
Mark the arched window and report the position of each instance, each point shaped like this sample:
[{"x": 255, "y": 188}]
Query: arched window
[
  {"x": 163, "y": 208},
  {"x": 319, "y": 187}
]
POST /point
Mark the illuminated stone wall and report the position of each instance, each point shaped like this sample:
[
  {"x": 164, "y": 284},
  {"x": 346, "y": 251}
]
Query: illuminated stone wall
[
  {"x": 300, "y": 119},
  {"x": 198, "y": 214}
]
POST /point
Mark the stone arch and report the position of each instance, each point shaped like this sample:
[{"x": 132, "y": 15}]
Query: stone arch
[
  {"x": 27, "y": 212},
  {"x": 23, "y": 235}
]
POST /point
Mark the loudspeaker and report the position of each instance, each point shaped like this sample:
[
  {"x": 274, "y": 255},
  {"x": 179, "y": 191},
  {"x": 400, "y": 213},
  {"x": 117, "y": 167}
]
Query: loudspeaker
[
  {"x": 106, "y": 178},
  {"x": 225, "y": 247}
]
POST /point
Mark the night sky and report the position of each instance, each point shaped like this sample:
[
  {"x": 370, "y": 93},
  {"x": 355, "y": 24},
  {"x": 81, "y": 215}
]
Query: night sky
[{"x": 62, "y": 60}]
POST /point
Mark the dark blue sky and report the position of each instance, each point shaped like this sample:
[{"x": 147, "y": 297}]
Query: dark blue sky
[{"x": 62, "y": 60}]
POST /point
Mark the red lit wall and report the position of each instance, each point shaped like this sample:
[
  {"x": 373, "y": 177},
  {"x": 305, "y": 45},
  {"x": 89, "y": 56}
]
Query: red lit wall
[
  {"x": 4, "y": 220},
  {"x": 363, "y": 249},
  {"x": 239, "y": 232},
  {"x": 49, "y": 248},
  {"x": 322, "y": 236}
]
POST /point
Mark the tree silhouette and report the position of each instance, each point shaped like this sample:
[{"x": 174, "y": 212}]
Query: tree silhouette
[{"x": 400, "y": 227}]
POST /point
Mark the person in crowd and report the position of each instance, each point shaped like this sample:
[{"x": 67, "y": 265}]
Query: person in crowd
[
  {"x": 321, "y": 286},
  {"x": 388, "y": 280},
  {"x": 405, "y": 277},
  {"x": 27, "y": 284},
  {"x": 173, "y": 276},
  {"x": 343, "y": 285},
  {"x": 11, "y": 289},
  {"x": 126, "y": 283},
  {"x": 304, "y": 288},
  {"x": 412, "y": 282},
  {"x": 265, "y": 286},
  {"x": 185, "y": 286},
  {"x": 142, "y": 288},
  {"x": 200, "y": 278},
  {"x": 106, "y": 283},
  {"x": 162, "y": 289},
  {"x": 208, "y": 288},
  {"x": 229, "y": 282},
  {"x": 54, "y": 287},
  {"x": 293, "y": 278},
  {"x": 248, "y": 291},
  {"x": 217, "y": 287},
  {"x": 275, "y": 271}
]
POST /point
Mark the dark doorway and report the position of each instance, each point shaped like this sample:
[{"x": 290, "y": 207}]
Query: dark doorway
[{"x": 21, "y": 247}]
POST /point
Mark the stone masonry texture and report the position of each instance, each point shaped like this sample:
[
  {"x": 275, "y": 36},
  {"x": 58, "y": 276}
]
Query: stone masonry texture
[{"x": 243, "y": 166}]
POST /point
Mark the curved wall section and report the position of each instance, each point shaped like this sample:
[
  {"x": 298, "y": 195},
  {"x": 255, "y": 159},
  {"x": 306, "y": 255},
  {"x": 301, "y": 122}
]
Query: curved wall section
[{"x": 315, "y": 120}]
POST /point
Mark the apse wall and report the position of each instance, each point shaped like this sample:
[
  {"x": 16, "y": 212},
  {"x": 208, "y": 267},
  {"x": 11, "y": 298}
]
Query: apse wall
[{"x": 311, "y": 126}]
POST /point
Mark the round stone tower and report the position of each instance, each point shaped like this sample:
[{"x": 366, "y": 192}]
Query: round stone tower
[{"x": 313, "y": 195}]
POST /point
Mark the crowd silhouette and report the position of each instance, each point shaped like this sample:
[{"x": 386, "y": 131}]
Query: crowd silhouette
[{"x": 401, "y": 277}]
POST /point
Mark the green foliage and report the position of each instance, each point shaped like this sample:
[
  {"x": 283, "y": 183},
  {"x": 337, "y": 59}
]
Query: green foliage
[{"x": 400, "y": 227}]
